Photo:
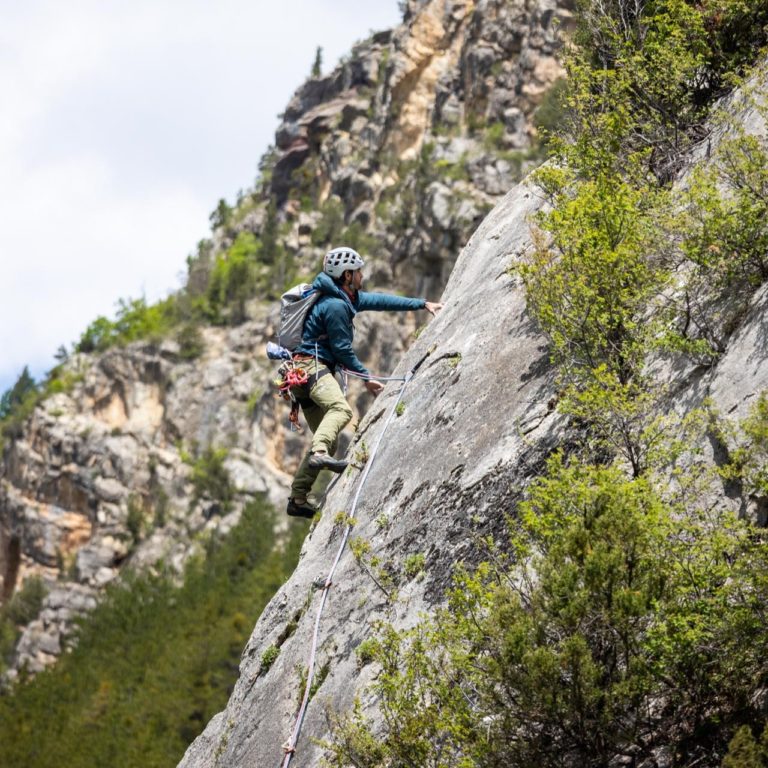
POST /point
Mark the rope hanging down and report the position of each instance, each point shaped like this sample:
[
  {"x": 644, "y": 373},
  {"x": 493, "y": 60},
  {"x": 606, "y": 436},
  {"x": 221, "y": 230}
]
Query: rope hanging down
[{"x": 290, "y": 747}]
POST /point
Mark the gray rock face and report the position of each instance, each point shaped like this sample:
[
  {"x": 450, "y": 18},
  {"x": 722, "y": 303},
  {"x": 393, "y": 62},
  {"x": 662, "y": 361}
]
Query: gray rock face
[
  {"x": 478, "y": 422},
  {"x": 447, "y": 471},
  {"x": 41, "y": 641}
]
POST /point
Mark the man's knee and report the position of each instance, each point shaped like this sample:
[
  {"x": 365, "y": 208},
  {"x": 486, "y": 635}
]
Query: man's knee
[{"x": 344, "y": 411}]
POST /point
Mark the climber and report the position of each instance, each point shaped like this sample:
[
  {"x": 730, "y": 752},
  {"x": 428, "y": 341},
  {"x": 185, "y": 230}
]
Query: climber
[{"x": 327, "y": 346}]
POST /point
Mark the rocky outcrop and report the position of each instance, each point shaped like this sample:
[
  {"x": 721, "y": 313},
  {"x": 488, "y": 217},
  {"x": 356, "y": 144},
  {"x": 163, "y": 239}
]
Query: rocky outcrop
[
  {"x": 402, "y": 149},
  {"x": 420, "y": 132},
  {"x": 101, "y": 476},
  {"x": 478, "y": 422}
]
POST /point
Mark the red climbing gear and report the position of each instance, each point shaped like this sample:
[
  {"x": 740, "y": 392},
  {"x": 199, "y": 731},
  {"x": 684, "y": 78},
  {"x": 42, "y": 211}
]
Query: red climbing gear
[
  {"x": 293, "y": 377},
  {"x": 293, "y": 417},
  {"x": 290, "y": 377}
]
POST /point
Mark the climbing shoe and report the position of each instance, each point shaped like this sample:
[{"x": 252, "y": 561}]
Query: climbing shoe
[
  {"x": 324, "y": 461},
  {"x": 300, "y": 510}
]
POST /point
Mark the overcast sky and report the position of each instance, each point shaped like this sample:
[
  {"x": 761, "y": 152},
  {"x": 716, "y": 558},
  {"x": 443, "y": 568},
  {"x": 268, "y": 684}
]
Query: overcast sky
[{"x": 121, "y": 125}]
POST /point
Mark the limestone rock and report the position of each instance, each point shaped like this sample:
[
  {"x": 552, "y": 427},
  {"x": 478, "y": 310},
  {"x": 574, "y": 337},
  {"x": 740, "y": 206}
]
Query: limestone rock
[{"x": 393, "y": 144}]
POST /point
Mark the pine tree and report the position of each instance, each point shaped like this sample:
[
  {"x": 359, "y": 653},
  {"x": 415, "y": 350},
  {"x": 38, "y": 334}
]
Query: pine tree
[
  {"x": 317, "y": 67},
  {"x": 16, "y": 395}
]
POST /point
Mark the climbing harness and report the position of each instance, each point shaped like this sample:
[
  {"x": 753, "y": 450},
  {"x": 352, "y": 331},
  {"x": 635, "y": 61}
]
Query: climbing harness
[
  {"x": 289, "y": 748},
  {"x": 292, "y": 378}
]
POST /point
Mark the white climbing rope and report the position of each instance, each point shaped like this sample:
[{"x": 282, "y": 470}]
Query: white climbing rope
[{"x": 289, "y": 747}]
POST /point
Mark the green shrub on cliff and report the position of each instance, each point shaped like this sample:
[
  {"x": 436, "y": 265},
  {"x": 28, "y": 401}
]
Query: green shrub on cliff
[
  {"x": 642, "y": 77},
  {"x": 745, "y": 751},
  {"x": 24, "y": 606},
  {"x": 589, "y": 281},
  {"x": 135, "y": 320},
  {"x": 617, "y": 623},
  {"x": 17, "y": 403},
  {"x": 210, "y": 478},
  {"x": 233, "y": 279}
]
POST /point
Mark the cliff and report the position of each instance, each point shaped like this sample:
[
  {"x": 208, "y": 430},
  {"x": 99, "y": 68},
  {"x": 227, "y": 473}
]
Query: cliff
[
  {"x": 478, "y": 423},
  {"x": 399, "y": 152},
  {"x": 413, "y": 151}
]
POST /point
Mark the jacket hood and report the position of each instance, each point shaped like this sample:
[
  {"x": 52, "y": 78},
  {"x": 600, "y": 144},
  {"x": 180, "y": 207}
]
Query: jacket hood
[{"x": 326, "y": 286}]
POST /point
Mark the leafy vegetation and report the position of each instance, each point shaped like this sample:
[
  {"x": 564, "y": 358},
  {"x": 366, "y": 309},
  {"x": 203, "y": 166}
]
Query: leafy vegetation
[
  {"x": 211, "y": 479},
  {"x": 179, "y": 650},
  {"x": 617, "y": 623},
  {"x": 135, "y": 319},
  {"x": 749, "y": 456},
  {"x": 745, "y": 751},
  {"x": 623, "y": 617},
  {"x": 233, "y": 278},
  {"x": 589, "y": 283},
  {"x": 19, "y": 401},
  {"x": 24, "y": 606}
]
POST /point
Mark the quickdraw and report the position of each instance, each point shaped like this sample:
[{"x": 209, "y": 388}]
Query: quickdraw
[{"x": 293, "y": 417}]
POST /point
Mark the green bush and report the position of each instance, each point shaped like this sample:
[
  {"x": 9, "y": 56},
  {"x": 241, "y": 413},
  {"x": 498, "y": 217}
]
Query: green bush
[
  {"x": 135, "y": 320},
  {"x": 191, "y": 342},
  {"x": 17, "y": 404},
  {"x": 745, "y": 752},
  {"x": 550, "y": 116},
  {"x": 268, "y": 658},
  {"x": 589, "y": 281},
  {"x": 723, "y": 231},
  {"x": 493, "y": 136},
  {"x": 234, "y": 279},
  {"x": 749, "y": 458},
  {"x": 616, "y": 624},
  {"x": 454, "y": 171},
  {"x": 135, "y": 519},
  {"x": 642, "y": 78},
  {"x": 726, "y": 232},
  {"x": 327, "y": 230},
  {"x": 16, "y": 396},
  {"x": 23, "y": 607},
  {"x": 27, "y": 602}
]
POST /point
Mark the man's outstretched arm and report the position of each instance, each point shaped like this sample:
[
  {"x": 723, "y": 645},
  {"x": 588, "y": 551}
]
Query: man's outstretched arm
[{"x": 386, "y": 302}]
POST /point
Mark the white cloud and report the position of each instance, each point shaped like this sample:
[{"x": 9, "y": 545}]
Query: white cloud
[{"x": 122, "y": 125}]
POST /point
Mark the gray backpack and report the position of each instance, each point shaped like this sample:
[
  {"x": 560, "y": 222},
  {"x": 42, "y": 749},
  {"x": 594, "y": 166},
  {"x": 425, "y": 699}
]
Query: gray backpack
[{"x": 294, "y": 308}]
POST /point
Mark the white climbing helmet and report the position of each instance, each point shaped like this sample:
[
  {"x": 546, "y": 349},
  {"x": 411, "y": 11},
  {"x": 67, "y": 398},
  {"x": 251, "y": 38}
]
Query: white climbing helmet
[{"x": 337, "y": 261}]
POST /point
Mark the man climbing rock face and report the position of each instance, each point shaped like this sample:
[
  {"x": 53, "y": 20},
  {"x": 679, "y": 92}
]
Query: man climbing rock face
[{"x": 326, "y": 346}]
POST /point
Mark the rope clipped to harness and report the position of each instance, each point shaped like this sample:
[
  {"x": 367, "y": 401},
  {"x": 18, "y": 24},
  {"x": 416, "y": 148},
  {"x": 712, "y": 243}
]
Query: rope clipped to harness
[{"x": 289, "y": 748}]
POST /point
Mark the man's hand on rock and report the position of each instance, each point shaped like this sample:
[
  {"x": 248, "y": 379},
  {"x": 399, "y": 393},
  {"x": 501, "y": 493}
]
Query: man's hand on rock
[
  {"x": 374, "y": 387},
  {"x": 432, "y": 308}
]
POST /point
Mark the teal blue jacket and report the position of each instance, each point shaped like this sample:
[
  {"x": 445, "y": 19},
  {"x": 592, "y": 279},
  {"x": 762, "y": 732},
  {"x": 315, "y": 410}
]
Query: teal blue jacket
[{"x": 329, "y": 329}]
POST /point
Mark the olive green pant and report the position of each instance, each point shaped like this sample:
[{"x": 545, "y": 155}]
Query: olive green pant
[{"x": 328, "y": 414}]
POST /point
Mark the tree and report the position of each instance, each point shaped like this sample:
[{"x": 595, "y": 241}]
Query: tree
[
  {"x": 317, "y": 67},
  {"x": 221, "y": 216},
  {"x": 17, "y": 394}
]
